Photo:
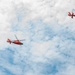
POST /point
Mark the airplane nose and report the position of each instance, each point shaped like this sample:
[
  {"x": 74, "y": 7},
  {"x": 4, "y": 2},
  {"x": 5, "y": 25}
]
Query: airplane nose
[{"x": 21, "y": 43}]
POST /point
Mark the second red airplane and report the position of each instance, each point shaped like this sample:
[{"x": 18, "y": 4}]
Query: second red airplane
[{"x": 71, "y": 14}]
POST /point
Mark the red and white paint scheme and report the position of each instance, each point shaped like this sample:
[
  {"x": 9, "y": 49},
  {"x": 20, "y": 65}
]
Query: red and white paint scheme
[
  {"x": 71, "y": 14},
  {"x": 18, "y": 42}
]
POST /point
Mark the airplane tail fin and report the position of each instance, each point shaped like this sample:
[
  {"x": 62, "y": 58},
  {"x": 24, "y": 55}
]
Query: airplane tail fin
[
  {"x": 9, "y": 41},
  {"x": 69, "y": 14}
]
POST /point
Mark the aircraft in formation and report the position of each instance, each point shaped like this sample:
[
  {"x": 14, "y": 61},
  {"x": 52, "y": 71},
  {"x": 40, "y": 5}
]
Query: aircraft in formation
[
  {"x": 17, "y": 41},
  {"x": 71, "y": 14}
]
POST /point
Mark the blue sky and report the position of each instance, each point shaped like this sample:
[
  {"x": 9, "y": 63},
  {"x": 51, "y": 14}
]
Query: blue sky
[{"x": 49, "y": 36}]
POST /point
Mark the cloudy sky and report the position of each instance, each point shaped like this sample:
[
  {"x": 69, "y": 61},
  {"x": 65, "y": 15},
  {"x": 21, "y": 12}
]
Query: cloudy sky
[{"x": 49, "y": 46}]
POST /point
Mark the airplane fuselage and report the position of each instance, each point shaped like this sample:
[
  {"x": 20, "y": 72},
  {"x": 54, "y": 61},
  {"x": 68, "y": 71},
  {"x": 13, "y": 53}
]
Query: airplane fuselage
[
  {"x": 15, "y": 42},
  {"x": 71, "y": 14}
]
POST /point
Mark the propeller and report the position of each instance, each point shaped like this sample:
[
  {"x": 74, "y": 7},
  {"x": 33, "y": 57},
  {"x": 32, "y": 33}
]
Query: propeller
[
  {"x": 22, "y": 40},
  {"x": 19, "y": 40},
  {"x": 16, "y": 37}
]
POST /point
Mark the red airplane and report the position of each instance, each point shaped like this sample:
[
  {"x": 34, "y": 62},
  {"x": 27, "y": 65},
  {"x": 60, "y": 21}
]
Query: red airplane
[
  {"x": 71, "y": 14},
  {"x": 15, "y": 41}
]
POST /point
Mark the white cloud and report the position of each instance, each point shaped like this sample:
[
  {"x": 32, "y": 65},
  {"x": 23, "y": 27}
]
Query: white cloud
[{"x": 16, "y": 17}]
